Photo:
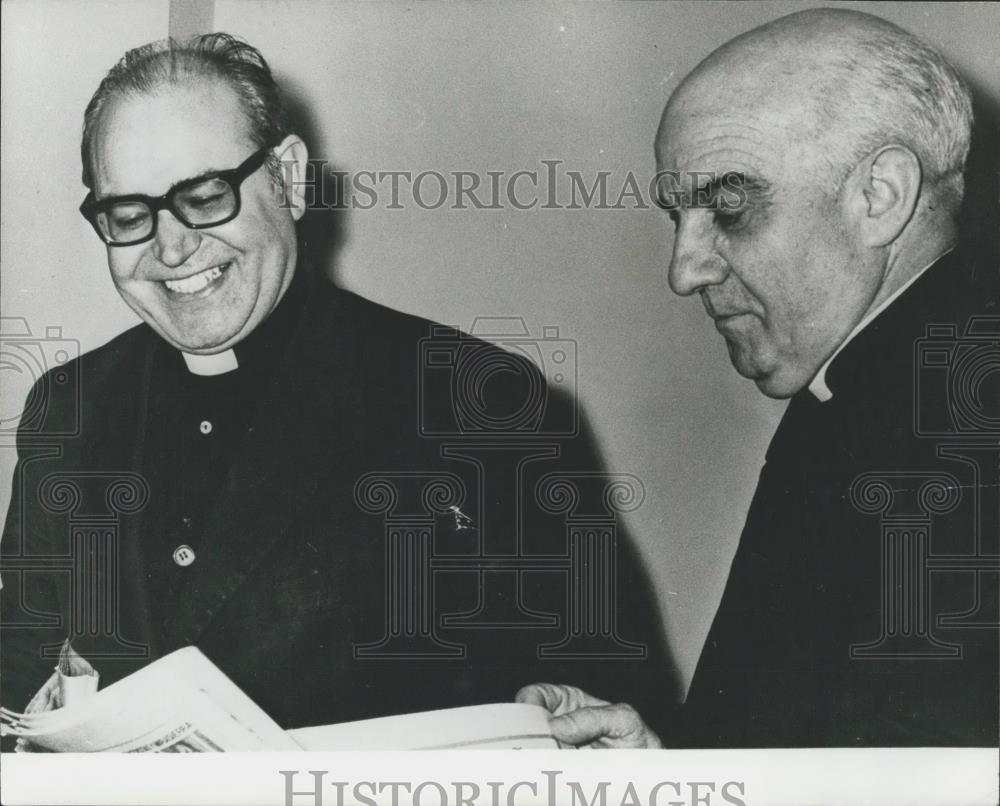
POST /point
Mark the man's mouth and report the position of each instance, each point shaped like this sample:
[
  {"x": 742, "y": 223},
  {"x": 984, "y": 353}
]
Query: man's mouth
[
  {"x": 197, "y": 282},
  {"x": 722, "y": 320}
]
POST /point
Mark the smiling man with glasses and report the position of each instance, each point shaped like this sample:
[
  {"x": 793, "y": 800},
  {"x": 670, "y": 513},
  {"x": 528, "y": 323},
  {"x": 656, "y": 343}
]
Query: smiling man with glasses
[
  {"x": 241, "y": 415},
  {"x": 201, "y": 251}
]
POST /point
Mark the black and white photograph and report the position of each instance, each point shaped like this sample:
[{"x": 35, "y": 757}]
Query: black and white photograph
[{"x": 496, "y": 380}]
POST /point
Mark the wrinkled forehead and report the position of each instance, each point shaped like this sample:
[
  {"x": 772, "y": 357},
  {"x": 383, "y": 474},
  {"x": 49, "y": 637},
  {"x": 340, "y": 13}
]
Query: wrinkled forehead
[
  {"x": 752, "y": 99},
  {"x": 737, "y": 126},
  {"x": 149, "y": 141},
  {"x": 713, "y": 141}
]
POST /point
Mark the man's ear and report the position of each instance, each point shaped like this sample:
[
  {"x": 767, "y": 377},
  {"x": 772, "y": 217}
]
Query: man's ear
[
  {"x": 885, "y": 194},
  {"x": 294, "y": 157}
]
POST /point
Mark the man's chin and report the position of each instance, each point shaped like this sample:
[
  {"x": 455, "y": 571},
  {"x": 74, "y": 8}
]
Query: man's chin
[
  {"x": 774, "y": 383},
  {"x": 210, "y": 350},
  {"x": 775, "y": 389},
  {"x": 201, "y": 344},
  {"x": 778, "y": 384}
]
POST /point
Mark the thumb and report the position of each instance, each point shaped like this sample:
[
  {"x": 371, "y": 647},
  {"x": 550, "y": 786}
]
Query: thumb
[
  {"x": 544, "y": 694},
  {"x": 604, "y": 726}
]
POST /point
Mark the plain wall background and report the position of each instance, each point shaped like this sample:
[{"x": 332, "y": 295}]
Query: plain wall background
[{"x": 472, "y": 87}]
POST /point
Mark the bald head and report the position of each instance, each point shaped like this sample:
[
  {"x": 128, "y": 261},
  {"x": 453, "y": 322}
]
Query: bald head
[
  {"x": 815, "y": 156},
  {"x": 847, "y": 81}
]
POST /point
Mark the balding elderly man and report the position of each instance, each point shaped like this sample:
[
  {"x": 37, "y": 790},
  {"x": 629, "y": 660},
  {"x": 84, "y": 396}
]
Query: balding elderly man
[{"x": 844, "y": 139}]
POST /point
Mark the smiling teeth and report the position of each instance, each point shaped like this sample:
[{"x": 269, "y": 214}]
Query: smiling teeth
[{"x": 196, "y": 282}]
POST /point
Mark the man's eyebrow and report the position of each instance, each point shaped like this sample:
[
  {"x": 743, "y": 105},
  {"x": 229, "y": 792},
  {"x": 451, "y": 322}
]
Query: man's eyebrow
[
  {"x": 707, "y": 193},
  {"x": 210, "y": 172},
  {"x": 730, "y": 182},
  {"x": 202, "y": 175}
]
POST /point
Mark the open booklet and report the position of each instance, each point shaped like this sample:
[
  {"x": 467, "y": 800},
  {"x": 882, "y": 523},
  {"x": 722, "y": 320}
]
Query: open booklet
[{"x": 183, "y": 703}]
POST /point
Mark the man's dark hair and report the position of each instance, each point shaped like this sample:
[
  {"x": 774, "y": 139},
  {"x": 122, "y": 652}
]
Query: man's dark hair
[{"x": 209, "y": 56}]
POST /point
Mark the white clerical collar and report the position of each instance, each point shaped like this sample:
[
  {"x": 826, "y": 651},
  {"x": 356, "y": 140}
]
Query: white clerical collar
[
  {"x": 818, "y": 384},
  {"x": 215, "y": 364}
]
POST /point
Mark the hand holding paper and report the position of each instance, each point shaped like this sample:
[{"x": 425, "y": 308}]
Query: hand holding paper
[
  {"x": 183, "y": 702},
  {"x": 73, "y": 681},
  {"x": 581, "y": 720}
]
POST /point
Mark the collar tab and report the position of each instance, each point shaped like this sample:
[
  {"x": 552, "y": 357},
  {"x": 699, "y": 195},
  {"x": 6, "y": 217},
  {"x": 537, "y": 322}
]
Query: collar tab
[{"x": 215, "y": 364}]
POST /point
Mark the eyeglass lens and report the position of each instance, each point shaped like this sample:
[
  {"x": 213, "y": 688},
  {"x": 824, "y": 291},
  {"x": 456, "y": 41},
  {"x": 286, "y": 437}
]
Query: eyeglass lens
[{"x": 202, "y": 204}]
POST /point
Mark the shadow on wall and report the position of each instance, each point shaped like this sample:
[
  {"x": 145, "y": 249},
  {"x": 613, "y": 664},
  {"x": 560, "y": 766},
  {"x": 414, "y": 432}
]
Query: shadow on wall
[
  {"x": 323, "y": 229},
  {"x": 323, "y": 233}
]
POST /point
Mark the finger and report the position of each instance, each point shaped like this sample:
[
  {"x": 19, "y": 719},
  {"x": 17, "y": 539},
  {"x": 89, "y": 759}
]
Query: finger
[
  {"x": 557, "y": 698},
  {"x": 46, "y": 698},
  {"x": 604, "y": 726},
  {"x": 534, "y": 694}
]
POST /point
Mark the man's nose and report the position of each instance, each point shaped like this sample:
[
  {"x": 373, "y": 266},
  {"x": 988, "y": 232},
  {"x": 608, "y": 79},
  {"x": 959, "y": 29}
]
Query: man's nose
[
  {"x": 695, "y": 263},
  {"x": 174, "y": 243}
]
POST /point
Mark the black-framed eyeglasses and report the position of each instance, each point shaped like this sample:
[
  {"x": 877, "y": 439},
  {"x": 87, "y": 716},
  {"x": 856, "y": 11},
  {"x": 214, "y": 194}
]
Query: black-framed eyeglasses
[{"x": 202, "y": 202}]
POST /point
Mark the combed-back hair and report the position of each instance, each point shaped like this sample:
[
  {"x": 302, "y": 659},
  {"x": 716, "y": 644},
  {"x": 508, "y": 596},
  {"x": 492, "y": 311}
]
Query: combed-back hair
[{"x": 216, "y": 56}]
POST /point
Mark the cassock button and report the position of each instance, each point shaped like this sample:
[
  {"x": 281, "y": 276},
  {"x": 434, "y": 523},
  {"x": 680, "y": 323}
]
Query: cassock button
[
  {"x": 205, "y": 427},
  {"x": 184, "y": 555}
]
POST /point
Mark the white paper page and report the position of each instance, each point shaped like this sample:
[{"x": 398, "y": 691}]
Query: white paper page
[
  {"x": 181, "y": 699},
  {"x": 501, "y": 726}
]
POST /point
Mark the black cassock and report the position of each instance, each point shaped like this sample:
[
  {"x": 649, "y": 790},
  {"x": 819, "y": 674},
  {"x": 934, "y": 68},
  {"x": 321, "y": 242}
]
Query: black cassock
[
  {"x": 379, "y": 523},
  {"x": 861, "y": 606}
]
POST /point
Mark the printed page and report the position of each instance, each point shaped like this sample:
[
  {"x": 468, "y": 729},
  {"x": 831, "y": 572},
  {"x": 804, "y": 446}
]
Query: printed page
[
  {"x": 500, "y": 726},
  {"x": 179, "y": 703},
  {"x": 163, "y": 723}
]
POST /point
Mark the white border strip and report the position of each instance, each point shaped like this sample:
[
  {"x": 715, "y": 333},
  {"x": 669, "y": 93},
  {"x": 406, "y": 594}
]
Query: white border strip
[{"x": 852, "y": 777}]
